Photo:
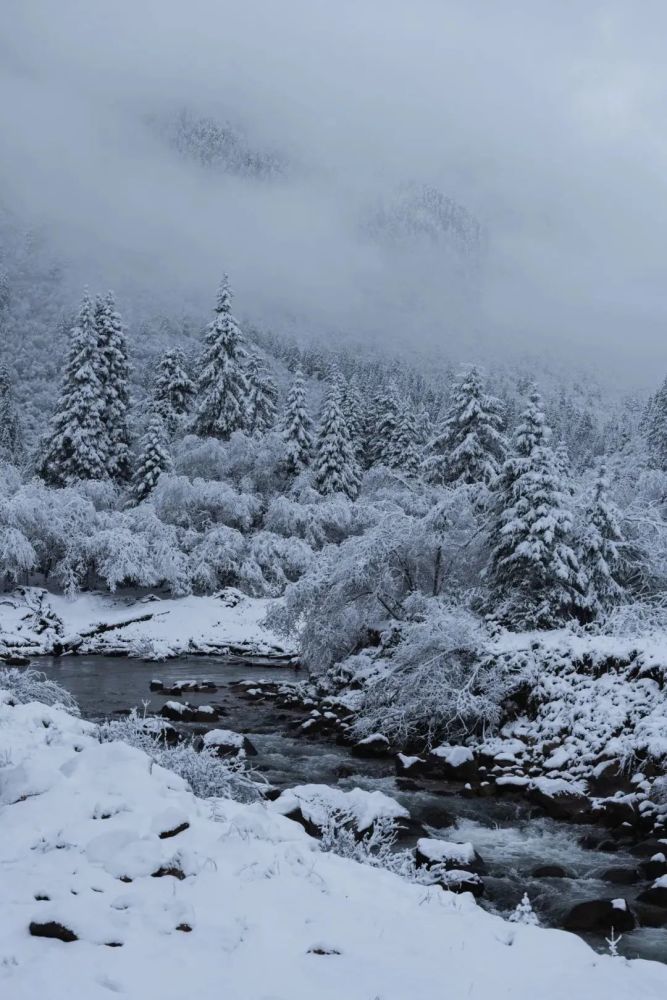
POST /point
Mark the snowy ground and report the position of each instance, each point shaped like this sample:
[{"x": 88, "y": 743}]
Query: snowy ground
[
  {"x": 32, "y": 621},
  {"x": 271, "y": 917}
]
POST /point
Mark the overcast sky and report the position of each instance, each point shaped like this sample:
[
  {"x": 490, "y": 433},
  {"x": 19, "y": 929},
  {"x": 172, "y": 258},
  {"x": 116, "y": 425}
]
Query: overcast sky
[{"x": 546, "y": 120}]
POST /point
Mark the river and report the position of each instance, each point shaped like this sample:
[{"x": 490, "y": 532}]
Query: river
[{"x": 505, "y": 831}]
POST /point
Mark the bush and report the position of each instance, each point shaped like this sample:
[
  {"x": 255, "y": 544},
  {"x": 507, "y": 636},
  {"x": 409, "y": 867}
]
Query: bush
[
  {"x": 208, "y": 775},
  {"x": 29, "y": 685}
]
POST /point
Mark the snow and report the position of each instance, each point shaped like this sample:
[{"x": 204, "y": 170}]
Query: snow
[
  {"x": 454, "y": 756},
  {"x": 445, "y": 850},
  {"x": 223, "y": 738},
  {"x": 318, "y": 802},
  {"x": 271, "y": 916},
  {"x": 176, "y": 626}
]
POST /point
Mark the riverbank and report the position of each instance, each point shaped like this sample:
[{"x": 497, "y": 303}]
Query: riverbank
[
  {"x": 34, "y": 622},
  {"x": 85, "y": 914}
]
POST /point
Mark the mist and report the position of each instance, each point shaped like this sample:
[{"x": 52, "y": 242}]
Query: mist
[{"x": 543, "y": 121}]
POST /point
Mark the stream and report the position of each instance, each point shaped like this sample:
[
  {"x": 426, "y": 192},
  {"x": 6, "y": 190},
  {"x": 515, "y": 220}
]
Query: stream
[{"x": 505, "y": 832}]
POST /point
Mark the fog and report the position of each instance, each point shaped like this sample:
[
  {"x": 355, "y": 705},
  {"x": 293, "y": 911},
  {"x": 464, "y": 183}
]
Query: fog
[{"x": 544, "y": 120}]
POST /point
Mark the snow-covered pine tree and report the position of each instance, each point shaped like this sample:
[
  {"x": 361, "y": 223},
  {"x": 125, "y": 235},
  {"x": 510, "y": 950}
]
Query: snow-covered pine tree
[
  {"x": 336, "y": 468},
  {"x": 424, "y": 426},
  {"x": 262, "y": 397},
  {"x": 469, "y": 446},
  {"x": 76, "y": 442},
  {"x": 384, "y": 441},
  {"x": 222, "y": 387},
  {"x": 172, "y": 389},
  {"x": 406, "y": 452},
  {"x": 113, "y": 372},
  {"x": 297, "y": 426},
  {"x": 154, "y": 458},
  {"x": 353, "y": 411},
  {"x": 11, "y": 437},
  {"x": 524, "y": 913},
  {"x": 655, "y": 425},
  {"x": 534, "y": 572},
  {"x": 600, "y": 549}
]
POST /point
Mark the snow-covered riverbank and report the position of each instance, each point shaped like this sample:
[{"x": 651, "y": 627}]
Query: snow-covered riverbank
[
  {"x": 34, "y": 622},
  {"x": 255, "y": 909}
]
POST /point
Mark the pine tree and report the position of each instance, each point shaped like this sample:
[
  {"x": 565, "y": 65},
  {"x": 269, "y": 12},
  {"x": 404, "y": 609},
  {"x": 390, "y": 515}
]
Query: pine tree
[
  {"x": 297, "y": 426},
  {"x": 387, "y": 408},
  {"x": 406, "y": 453},
  {"x": 469, "y": 447},
  {"x": 222, "y": 387},
  {"x": 655, "y": 428},
  {"x": 172, "y": 390},
  {"x": 524, "y": 913},
  {"x": 76, "y": 443},
  {"x": 353, "y": 411},
  {"x": 336, "y": 469},
  {"x": 11, "y": 436},
  {"x": 262, "y": 396},
  {"x": 113, "y": 373},
  {"x": 424, "y": 426},
  {"x": 533, "y": 570},
  {"x": 154, "y": 459},
  {"x": 600, "y": 549}
]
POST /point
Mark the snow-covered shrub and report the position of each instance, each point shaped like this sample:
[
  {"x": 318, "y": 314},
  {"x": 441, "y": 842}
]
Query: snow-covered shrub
[
  {"x": 29, "y": 685},
  {"x": 200, "y": 504},
  {"x": 437, "y": 683},
  {"x": 215, "y": 560},
  {"x": 208, "y": 775}
]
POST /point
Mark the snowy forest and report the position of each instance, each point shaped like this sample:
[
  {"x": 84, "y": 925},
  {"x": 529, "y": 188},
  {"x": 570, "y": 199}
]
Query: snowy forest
[
  {"x": 384, "y": 505},
  {"x": 333, "y": 501}
]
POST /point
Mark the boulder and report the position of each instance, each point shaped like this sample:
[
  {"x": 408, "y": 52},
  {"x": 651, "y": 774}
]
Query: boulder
[
  {"x": 375, "y": 745},
  {"x": 451, "y": 856},
  {"x": 454, "y": 763},
  {"x": 617, "y": 812},
  {"x": 621, "y": 876},
  {"x": 409, "y": 767},
  {"x": 601, "y": 915},
  {"x": 549, "y": 871},
  {"x": 226, "y": 742},
  {"x": 607, "y": 778},
  {"x": 649, "y": 848},
  {"x": 656, "y": 895},
  {"x": 156, "y": 685},
  {"x": 560, "y": 799},
  {"x": 655, "y": 867}
]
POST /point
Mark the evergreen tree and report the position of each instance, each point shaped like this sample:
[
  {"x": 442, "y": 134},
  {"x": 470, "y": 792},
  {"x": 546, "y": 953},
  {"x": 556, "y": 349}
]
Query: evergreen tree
[
  {"x": 600, "y": 549},
  {"x": 113, "y": 373},
  {"x": 469, "y": 447},
  {"x": 655, "y": 425},
  {"x": 11, "y": 437},
  {"x": 353, "y": 411},
  {"x": 533, "y": 570},
  {"x": 424, "y": 426},
  {"x": 297, "y": 426},
  {"x": 262, "y": 396},
  {"x": 76, "y": 443},
  {"x": 524, "y": 913},
  {"x": 336, "y": 469},
  {"x": 387, "y": 410},
  {"x": 406, "y": 453},
  {"x": 222, "y": 387},
  {"x": 154, "y": 459},
  {"x": 172, "y": 389}
]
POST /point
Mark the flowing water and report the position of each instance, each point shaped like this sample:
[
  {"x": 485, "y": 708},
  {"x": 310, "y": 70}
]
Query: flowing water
[{"x": 506, "y": 833}]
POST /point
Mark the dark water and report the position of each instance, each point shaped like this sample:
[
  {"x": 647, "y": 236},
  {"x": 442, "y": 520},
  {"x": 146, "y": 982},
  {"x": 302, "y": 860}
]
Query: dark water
[{"x": 509, "y": 838}]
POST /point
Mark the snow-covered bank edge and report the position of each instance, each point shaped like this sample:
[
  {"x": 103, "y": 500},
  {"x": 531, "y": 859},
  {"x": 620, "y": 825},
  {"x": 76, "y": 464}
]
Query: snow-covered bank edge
[
  {"x": 253, "y": 904},
  {"x": 34, "y": 622}
]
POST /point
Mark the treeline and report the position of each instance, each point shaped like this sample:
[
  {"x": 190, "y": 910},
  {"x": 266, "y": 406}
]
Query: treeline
[{"x": 231, "y": 482}]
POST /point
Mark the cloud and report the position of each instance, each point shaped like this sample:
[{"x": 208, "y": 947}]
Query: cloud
[{"x": 544, "y": 120}]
